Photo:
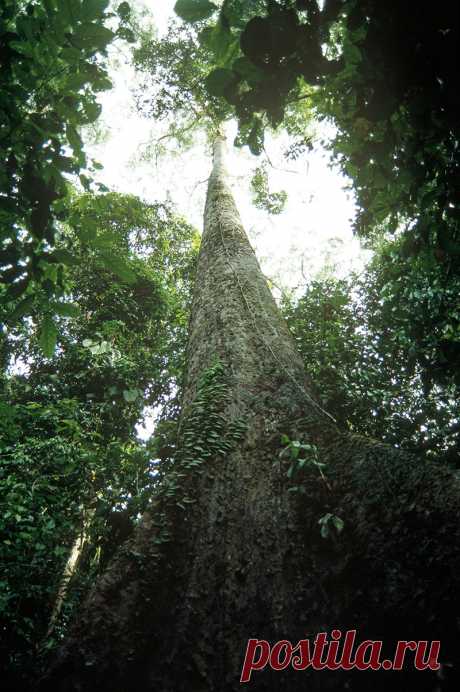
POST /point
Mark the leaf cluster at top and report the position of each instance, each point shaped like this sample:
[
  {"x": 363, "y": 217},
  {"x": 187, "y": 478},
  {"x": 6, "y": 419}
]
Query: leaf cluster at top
[{"x": 53, "y": 56}]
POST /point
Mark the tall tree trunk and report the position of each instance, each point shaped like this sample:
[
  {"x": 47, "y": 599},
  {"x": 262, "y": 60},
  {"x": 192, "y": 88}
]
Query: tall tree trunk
[
  {"x": 70, "y": 569},
  {"x": 232, "y": 546}
]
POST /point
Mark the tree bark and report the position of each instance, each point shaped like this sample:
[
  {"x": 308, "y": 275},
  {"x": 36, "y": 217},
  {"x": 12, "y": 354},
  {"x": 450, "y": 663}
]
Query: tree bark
[
  {"x": 70, "y": 570},
  {"x": 232, "y": 547}
]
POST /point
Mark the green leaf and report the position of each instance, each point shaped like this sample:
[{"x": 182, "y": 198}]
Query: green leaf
[
  {"x": 50, "y": 7},
  {"x": 50, "y": 272},
  {"x": 64, "y": 257},
  {"x": 74, "y": 82},
  {"x": 74, "y": 139},
  {"x": 103, "y": 241},
  {"x": 338, "y": 523},
  {"x": 48, "y": 336},
  {"x": 68, "y": 10},
  {"x": 256, "y": 40},
  {"x": 93, "y": 9},
  {"x": 130, "y": 395},
  {"x": 22, "y": 309},
  {"x": 99, "y": 349},
  {"x": 91, "y": 36},
  {"x": 92, "y": 111},
  {"x": 194, "y": 10},
  {"x": 102, "y": 188},
  {"x": 119, "y": 267},
  {"x": 219, "y": 40},
  {"x": 25, "y": 27},
  {"x": 206, "y": 37},
  {"x": 124, "y": 10},
  {"x": 248, "y": 71},
  {"x": 16, "y": 289},
  {"x": 65, "y": 309},
  {"x": 127, "y": 34},
  {"x": 218, "y": 80},
  {"x": 256, "y": 137},
  {"x": 85, "y": 181},
  {"x": 294, "y": 451},
  {"x": 233, "y": 13}
]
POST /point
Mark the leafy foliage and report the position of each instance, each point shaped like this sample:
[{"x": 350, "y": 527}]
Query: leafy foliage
[
  {"x": 194, "y": 10},
  {"x": 173, "y": 86},
  {"x": 68, "y": 440},
  {"x": 371, "y": 376},
  {"x": 53, "y": 67},
  {"x": 206, "y": 437},
  {"x": 255, "y": 63},
  {"x": 96, "y": 286},
  {"x": 272, "y": 202},
  {"x": 372, "y": 69},
  {"x": 46, "y": 476}
]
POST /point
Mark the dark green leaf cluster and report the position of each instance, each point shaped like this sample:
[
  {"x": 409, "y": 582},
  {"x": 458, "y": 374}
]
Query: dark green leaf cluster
[
  {"x": 194, "y": 10},
  {"x": 261, "y": 62},
  {"x": 48, "y": 457},
  {"x": 386, "y": 78},
  {"x": 53, "y": 67},
  {"x": 70, "y": 458},
  {"x": 370, "y": 352},
  {"x": 207, "y": 436}
]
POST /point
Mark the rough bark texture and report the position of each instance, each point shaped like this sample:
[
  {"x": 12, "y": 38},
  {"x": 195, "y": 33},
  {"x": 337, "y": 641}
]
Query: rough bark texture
[
  {"x": 176, "y": 606},
  {"x": 70, "y": 570}
]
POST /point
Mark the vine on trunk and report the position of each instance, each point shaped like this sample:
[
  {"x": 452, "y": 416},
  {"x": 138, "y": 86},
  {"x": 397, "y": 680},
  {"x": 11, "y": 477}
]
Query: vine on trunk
[{"x": 206, "y": 433}]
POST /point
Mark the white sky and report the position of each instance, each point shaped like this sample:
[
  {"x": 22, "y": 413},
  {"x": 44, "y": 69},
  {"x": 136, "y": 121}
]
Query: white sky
[{"x": 292, "y": 246}]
